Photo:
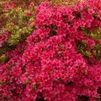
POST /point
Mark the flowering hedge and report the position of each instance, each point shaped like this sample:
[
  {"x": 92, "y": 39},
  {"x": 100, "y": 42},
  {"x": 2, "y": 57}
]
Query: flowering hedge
[
  {"x": 60, "y": 60},
  {"x": 17, "y": 21}
]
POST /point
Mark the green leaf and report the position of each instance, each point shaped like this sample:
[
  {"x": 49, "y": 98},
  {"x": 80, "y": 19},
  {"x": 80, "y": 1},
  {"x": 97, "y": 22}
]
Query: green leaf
[
  {"x": 97, "y": 51},
  {"x": 3, "y": 58},
  {"x": 96, "y": 34}
]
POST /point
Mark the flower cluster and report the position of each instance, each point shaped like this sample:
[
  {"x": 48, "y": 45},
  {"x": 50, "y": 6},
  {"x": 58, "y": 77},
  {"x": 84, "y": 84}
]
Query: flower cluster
[{"x": 60, "y": 60}]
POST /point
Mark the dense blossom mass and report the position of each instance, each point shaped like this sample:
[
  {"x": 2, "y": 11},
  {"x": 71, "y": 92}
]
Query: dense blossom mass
[{"x": 60, "y": 60}]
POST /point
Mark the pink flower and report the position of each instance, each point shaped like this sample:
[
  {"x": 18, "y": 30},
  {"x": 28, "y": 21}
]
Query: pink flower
[{"x": 52, "y": 64}]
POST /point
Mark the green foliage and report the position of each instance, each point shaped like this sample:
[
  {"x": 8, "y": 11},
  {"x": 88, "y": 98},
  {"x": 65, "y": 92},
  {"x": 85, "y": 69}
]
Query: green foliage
[
  {"x": 3, "y": 58},
  {"x": 82, "y": 48},
  {"x": 97, "y": 51},
  {"x": 96, "y": 34},
  {"x": 18, "y": 25},
  {"x": 86, "y": 31}
]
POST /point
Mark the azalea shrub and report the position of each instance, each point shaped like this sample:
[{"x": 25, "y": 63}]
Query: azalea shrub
[
  {"x": 60, "y": 60},
  {"x": 17, "y": 21}
]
